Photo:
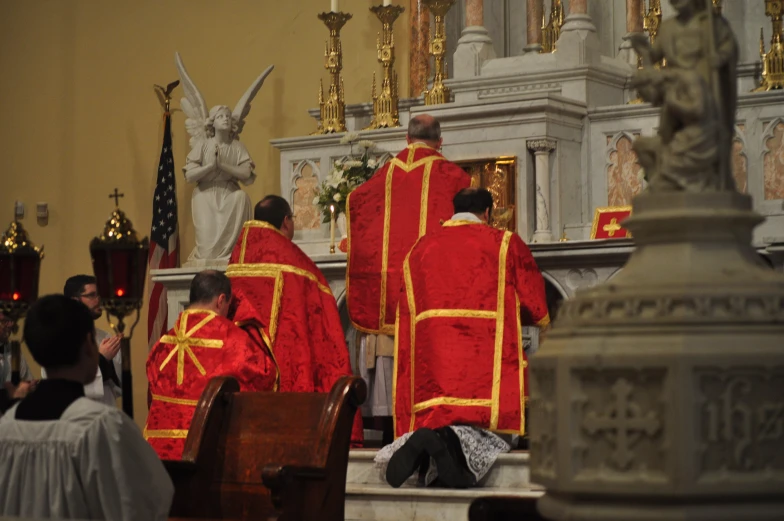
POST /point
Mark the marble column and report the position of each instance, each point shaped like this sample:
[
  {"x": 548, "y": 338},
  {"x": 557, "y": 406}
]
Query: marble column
[
  {"x": 541, "y": 149},
  {"x": 475, "y": 46},
  {"x": 535, "y": 18},
  {"x": 419, "y": 59},
  {"x": 633, "y": 25}
]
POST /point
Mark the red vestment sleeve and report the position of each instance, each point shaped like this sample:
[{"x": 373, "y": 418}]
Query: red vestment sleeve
[{"x": 528, "y": 283}]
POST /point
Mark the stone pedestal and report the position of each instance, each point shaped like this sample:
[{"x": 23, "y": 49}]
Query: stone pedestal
[
  {"x": 578, "y": 43},
  {"x": 658, "y": 395},
  {"x": 474, "y": 48}
]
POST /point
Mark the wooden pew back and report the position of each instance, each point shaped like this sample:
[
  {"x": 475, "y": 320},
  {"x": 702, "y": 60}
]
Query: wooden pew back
[{"x": 256, "y": 455}]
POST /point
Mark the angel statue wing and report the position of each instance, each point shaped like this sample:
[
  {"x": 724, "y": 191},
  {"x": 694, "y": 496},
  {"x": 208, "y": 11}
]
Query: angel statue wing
[
  {"x": 192, "y": 104},
  {"x": 242, "y": 108}
]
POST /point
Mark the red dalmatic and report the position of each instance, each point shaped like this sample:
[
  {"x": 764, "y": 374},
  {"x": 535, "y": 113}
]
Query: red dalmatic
[
  {"x": 468, "y": 290},
  {"x": 201, "y": 345},
  {"x": 289, "y": 296},
  {"x": 409, "y": 196}
]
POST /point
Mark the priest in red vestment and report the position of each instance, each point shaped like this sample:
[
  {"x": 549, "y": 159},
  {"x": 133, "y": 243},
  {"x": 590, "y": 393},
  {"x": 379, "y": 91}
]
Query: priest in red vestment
[
  {"x": 409, "y": 196},
  {"x": 289, "y": 296},
  {"x": 459, "y": 362},
  {"x": 202, "y": 344}
]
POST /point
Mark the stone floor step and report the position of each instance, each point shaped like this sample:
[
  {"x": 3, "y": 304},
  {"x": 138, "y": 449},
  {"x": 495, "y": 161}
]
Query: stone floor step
[
  {"x": 384, "y": 503},
  {"x": 510, "y": 471}
]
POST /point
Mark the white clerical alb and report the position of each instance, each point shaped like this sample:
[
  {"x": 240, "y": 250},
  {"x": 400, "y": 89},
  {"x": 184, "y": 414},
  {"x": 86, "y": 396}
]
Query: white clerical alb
[{"x": 91, "y": 463}]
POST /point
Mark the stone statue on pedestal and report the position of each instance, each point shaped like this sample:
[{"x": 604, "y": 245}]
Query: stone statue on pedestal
[
  {"x": 217, "y": 163},
  {"x": 697, "y": 93},
  {"x": 657, "y": 395}
]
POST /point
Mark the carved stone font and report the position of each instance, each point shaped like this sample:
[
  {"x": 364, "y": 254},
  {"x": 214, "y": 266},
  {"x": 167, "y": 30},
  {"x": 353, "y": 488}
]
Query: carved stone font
[{"x": 658, "y": 395}]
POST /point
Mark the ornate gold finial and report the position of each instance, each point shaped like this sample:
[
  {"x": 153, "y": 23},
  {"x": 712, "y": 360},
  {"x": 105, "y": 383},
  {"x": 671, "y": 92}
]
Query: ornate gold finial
[
  {"x": 15, "y": 240},
  {"x": 333, "y": 109},
  {"x": 118, "y": 229},
  {"x": 552, "y": 31},
  {"x": 385, "y": 105},
  {"x": 439, "y": 93},
  {"x": 773, "y": 60}
]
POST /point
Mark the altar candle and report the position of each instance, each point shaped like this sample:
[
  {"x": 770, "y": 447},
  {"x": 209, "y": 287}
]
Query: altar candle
[
  {"x": 332, "y": 224},
  {"x": 334, "y": 6}
]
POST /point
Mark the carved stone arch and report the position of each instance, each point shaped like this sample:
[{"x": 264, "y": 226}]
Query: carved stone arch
[
  {"x": 555, "y": 294},
  {"x": 623, "y": 170},
  {"x": 305, "y": 183},
  {"x": 740, "y": 161},
  {"x": 773, "y": 159}
]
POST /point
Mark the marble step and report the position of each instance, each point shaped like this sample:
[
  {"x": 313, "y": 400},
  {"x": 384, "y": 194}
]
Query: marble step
[
  {"x": 370, "y": 498},
  {"x": 384, "y": 503},
  {"x": 510, "y": 470}
]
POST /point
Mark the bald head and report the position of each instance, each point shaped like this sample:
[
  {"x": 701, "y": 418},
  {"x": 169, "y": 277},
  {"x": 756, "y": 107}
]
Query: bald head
[
  {"x": 425, "y": 129},
  {"x": 276, "y": 211}
]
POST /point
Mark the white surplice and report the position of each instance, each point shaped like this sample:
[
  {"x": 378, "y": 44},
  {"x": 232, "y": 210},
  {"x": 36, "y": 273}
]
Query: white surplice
[{"x": 92, "y": 463}]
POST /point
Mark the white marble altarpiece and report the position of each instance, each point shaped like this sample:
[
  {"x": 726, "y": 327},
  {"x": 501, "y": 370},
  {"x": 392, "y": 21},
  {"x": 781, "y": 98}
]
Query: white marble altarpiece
[{"x": 566, "y": 120}]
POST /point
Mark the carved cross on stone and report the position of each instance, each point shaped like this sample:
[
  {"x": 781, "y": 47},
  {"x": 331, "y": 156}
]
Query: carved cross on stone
[
  {"x": 622, "y": 424},
  {"x": 116, "y": 196},
  {"x": 612, "y": 227}
]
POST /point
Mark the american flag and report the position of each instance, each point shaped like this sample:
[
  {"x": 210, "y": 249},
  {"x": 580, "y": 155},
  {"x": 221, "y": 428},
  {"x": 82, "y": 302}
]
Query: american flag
[{"x": 164, "y": 235}]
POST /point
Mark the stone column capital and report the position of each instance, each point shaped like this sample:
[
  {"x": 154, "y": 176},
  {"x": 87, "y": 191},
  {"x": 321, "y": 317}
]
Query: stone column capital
[{"x": 541, "y": 145}]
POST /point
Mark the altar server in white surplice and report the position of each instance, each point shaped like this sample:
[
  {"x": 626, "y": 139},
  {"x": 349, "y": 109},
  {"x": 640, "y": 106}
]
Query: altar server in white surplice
[{"x": 66, "y": 456}]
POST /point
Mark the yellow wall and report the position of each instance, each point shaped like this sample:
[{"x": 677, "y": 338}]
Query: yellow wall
[{"x": 80, "y": 116}]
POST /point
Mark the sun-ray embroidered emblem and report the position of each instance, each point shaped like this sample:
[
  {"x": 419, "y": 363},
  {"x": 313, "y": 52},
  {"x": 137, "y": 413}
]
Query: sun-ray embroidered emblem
[{"x": 183, "y": 341}]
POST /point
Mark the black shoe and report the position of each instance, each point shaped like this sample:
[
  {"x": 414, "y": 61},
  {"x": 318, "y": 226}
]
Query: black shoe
[
  {"x": 451, "y": 463},
  {"x": 408, "y": 458}
]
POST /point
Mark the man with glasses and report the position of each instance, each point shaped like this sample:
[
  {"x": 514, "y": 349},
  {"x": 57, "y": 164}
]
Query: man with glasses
[
  {"x": 107, "y": 386},
  {"x": 289, "y": 295}
]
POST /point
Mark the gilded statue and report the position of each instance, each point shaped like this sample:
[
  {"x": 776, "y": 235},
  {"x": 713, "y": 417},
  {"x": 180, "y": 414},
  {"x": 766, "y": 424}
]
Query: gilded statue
[
  {"x": 217, "y": 163},
  {"x": 697, "y": 93}
]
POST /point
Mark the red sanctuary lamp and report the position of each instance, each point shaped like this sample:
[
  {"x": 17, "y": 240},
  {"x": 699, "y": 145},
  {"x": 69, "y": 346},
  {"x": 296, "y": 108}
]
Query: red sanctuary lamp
[
  {"x": 20, "y": 267},
  {"x": 120, "y": 266}
]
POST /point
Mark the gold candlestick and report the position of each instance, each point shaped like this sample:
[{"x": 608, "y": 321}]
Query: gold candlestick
[
  {"x": 773, "y": 60},
  {"x": 552, "y": 31},
  {"x": 439, "y": 93},
  {"x": 652, "y": 19},
  {"x": 385, "y": 105},
  {"x": 333, "y": 109}
]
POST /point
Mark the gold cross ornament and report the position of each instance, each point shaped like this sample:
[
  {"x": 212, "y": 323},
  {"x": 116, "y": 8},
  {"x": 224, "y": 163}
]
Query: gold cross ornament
[
  {"x": 183, "y": 341},
  {"x": 612, "y": 227}
]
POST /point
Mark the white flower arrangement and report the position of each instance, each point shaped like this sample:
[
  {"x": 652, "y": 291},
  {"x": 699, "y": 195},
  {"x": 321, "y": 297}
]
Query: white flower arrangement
[{"x": 345, "y": 176}]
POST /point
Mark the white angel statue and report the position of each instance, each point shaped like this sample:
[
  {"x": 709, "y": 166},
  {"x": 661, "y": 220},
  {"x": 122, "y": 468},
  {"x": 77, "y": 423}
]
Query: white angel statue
[{"x": 217, "y": 163}]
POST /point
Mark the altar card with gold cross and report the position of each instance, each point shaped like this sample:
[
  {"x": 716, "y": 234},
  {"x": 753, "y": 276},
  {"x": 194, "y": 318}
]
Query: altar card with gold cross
[{"x": 608, "y": 220}]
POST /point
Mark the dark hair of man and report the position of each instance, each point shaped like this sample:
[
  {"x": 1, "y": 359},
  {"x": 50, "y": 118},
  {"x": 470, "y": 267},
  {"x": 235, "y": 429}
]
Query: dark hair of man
[
  {"x": 272, "y": 209},
  {"x": 74, "y": 286},
  {"x": 207, "y": 285},
  {"x": 424, "y": 128},
  {"x": 473, "y": 200},
  {"x": 55, "y": 330}
]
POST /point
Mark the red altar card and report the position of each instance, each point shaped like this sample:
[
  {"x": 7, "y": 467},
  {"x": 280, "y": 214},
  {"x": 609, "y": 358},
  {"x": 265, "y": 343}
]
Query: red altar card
[{"x": 607, "y": 222}]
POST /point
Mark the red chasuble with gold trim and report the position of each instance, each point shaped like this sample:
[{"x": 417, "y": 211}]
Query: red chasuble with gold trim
[
  {"x": 468, "y": 290},
  {"x": 291, "y": 299},
  {"x": 201, "y": 345},
  {"x": 409, "y": 196}
]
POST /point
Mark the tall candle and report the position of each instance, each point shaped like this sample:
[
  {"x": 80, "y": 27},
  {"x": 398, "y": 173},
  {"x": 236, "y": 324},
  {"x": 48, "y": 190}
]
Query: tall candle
[
  {"x": 332, "y": 224},
  {"x": 334, "y": 6},
  {"x": 387, "y": 2}
]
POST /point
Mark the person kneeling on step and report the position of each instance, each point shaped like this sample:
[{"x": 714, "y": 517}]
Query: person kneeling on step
[{"x": 460, "y": 364}]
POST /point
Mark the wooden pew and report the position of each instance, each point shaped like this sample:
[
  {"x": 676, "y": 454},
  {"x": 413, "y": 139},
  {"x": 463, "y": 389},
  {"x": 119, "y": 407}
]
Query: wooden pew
[{"x": 266, "y": 455}]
